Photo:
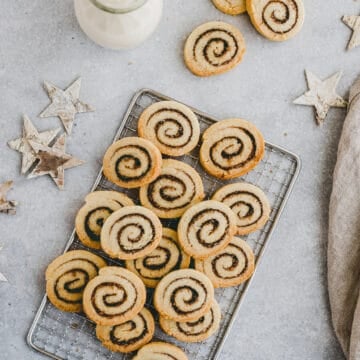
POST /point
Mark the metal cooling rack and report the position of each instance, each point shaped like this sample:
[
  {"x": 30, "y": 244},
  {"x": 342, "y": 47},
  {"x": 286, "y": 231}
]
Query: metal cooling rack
[{"x": 71, "y": 336}]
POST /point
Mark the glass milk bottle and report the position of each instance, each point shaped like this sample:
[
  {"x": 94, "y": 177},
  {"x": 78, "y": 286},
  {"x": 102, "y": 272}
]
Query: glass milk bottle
[{"x": 118, "y": 24}]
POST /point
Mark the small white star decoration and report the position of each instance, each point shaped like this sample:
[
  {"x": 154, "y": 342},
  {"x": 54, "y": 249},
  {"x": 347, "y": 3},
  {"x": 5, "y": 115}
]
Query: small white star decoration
[
  {"x": 2, "y": 277},
  {"x": 22, "y": 144},
  {"x": 65, "y": 103},
  {"x": 322, "y": 95},
  {"x": 353, "y": 22}
]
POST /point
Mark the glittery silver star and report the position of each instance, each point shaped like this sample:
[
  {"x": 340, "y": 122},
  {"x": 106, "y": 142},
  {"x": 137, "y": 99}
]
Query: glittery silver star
[
  {"x": 354, "y": 23},
  {"x": 322, "y": 95},
  {"x": 53, "y": 161},
  {"x": 22, "y": 144},
  {"x": 6, "y": 206},
  {"x": 65, "y": 103}
]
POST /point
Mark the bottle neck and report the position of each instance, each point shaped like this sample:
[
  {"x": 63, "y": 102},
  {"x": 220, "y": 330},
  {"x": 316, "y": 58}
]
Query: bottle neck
[{"x": 118, "y": 6}]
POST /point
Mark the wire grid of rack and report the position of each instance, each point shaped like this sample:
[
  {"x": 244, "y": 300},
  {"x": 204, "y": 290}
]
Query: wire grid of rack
[{"x": 71, "y": 336}]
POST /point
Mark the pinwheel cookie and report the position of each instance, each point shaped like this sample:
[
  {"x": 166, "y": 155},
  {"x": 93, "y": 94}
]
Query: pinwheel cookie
[
  {"x": 231, "y": 148},
  {"x": 130, "y": 233},
  {"x": 194, "y": 331},
  {"x": 248, "y": 202},
  {"x": 231, "y": 7},
  {"x": 99, "y": 205},
  {"x": 177, "y": 188},
  {"x": 206, "y": 228},
  {"x": 160, "y": 351},
  {"x": 168, "y": 256},
  {"x": 214, "y": 48},
  {"x": 171, "y": 126},
  {"x": 130, "y": 335},
  {"x": 132, "y": 162},
  {"x": 67, "y": 276},
  {"x": 113, "y": 297},
  {"x": 184, "y": 295},
  {"x": 231, "y": 266},
  {"x": 277, "y": 20}
]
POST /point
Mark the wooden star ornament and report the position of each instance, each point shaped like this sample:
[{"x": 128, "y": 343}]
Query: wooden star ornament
[
  {"x": 322, "y": 95},
  {"x": 53, "y": 161},
  {"x": 6, "y": 206},
  {"x": 65, "y": 103},
  {"x": 353, "y": 22},
  {"x": 23, "y": 146}
]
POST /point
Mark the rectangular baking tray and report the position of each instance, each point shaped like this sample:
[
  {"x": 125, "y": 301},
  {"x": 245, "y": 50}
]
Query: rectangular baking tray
[{"x": 71, "y": 336}]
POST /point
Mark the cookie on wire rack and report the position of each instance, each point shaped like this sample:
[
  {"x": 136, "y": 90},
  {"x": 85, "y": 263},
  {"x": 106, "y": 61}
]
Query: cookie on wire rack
[
  {"x": 214, "y": 48},
  {"x": 130, "y": 233},
  {"x": 231, "y": 148},
  {"x": 132, "y": 162},
  {"x": 168, "y": 256},
  {"x": 184, "y": 295},
  {"x": 177, "y": 188},
  {"x": 67, "y": 276},
  {"x": 206, "y": 228},
  {"x": 130, "y": 335},
  {"x": 160, "y": 351},
  {"x": 113, "y": 297},
  {"x": 99, "y": 205},
  {"x": 231, "y": 266},
  {"x": 171, "y": 126},
  {"x": 248, "y": 202},
  {"x": 194, "y": 331}
]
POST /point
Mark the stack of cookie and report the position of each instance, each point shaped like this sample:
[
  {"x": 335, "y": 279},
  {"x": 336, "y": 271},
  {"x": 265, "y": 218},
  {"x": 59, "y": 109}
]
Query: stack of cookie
[{"x": 183, "y": 264}]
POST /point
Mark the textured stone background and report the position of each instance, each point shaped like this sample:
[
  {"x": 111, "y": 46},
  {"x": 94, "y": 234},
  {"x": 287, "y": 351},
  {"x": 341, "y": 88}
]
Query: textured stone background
[{"x": 286, "y": 312}]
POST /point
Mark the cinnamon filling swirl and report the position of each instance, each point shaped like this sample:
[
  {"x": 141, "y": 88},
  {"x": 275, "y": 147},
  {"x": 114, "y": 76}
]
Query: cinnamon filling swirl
[
  {"x": 177, "y": 188},
  {"x": 184, "y": 295},
  {"x": 218, "y": 47},
  {"x": 131, "y": 232},
  {"x": 230, "y": 152},
  {"x": 280, "y": 16},
  {"x": 132, "y": 163},
  {"x": 113, "y": 297}
]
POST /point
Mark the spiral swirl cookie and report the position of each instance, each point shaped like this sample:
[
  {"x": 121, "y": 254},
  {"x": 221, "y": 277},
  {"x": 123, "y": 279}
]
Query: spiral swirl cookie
[
  {"x": 168, "y": 256},
  {"x": 113, "y": 297},
  {"x": 67, "y": 276},
  {"x": 184, "y": 295},
  {"x": 206, "y": 228},
  {"x": 177, "y": 188},
  {"x": 231, "y": 7},
  {"x": 131, "y": 232},
  {"x": 231, "y": 148},
  {"x": 194, "y": 331},
  {"x": 231, "y": 266},
  {"x": 130, "y": 335},
  {"x": 132, "y": 162},
  {"x": 214, "y": 48},
  {"x": 172, "y": 127},
  {"x": 248, "y": 202},
  {"x": 277, "y": 20},
  {"x": 99, "y": 205},
  {"x": 160, "y": 351}
]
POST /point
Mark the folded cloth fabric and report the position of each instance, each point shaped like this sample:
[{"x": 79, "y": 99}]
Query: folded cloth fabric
[{"x": 344, "y": 233}]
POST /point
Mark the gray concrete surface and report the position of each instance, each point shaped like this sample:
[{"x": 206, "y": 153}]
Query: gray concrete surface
[{"x": 286, "y": 313}]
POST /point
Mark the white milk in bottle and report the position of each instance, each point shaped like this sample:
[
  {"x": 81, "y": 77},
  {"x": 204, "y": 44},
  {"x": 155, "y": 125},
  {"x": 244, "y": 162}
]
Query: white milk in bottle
[{"x": 118, "y": 24}]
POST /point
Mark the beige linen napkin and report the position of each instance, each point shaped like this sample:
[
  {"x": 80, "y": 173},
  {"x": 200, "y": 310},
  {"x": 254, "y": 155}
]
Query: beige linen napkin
[{"x": 344, "y": 233}]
